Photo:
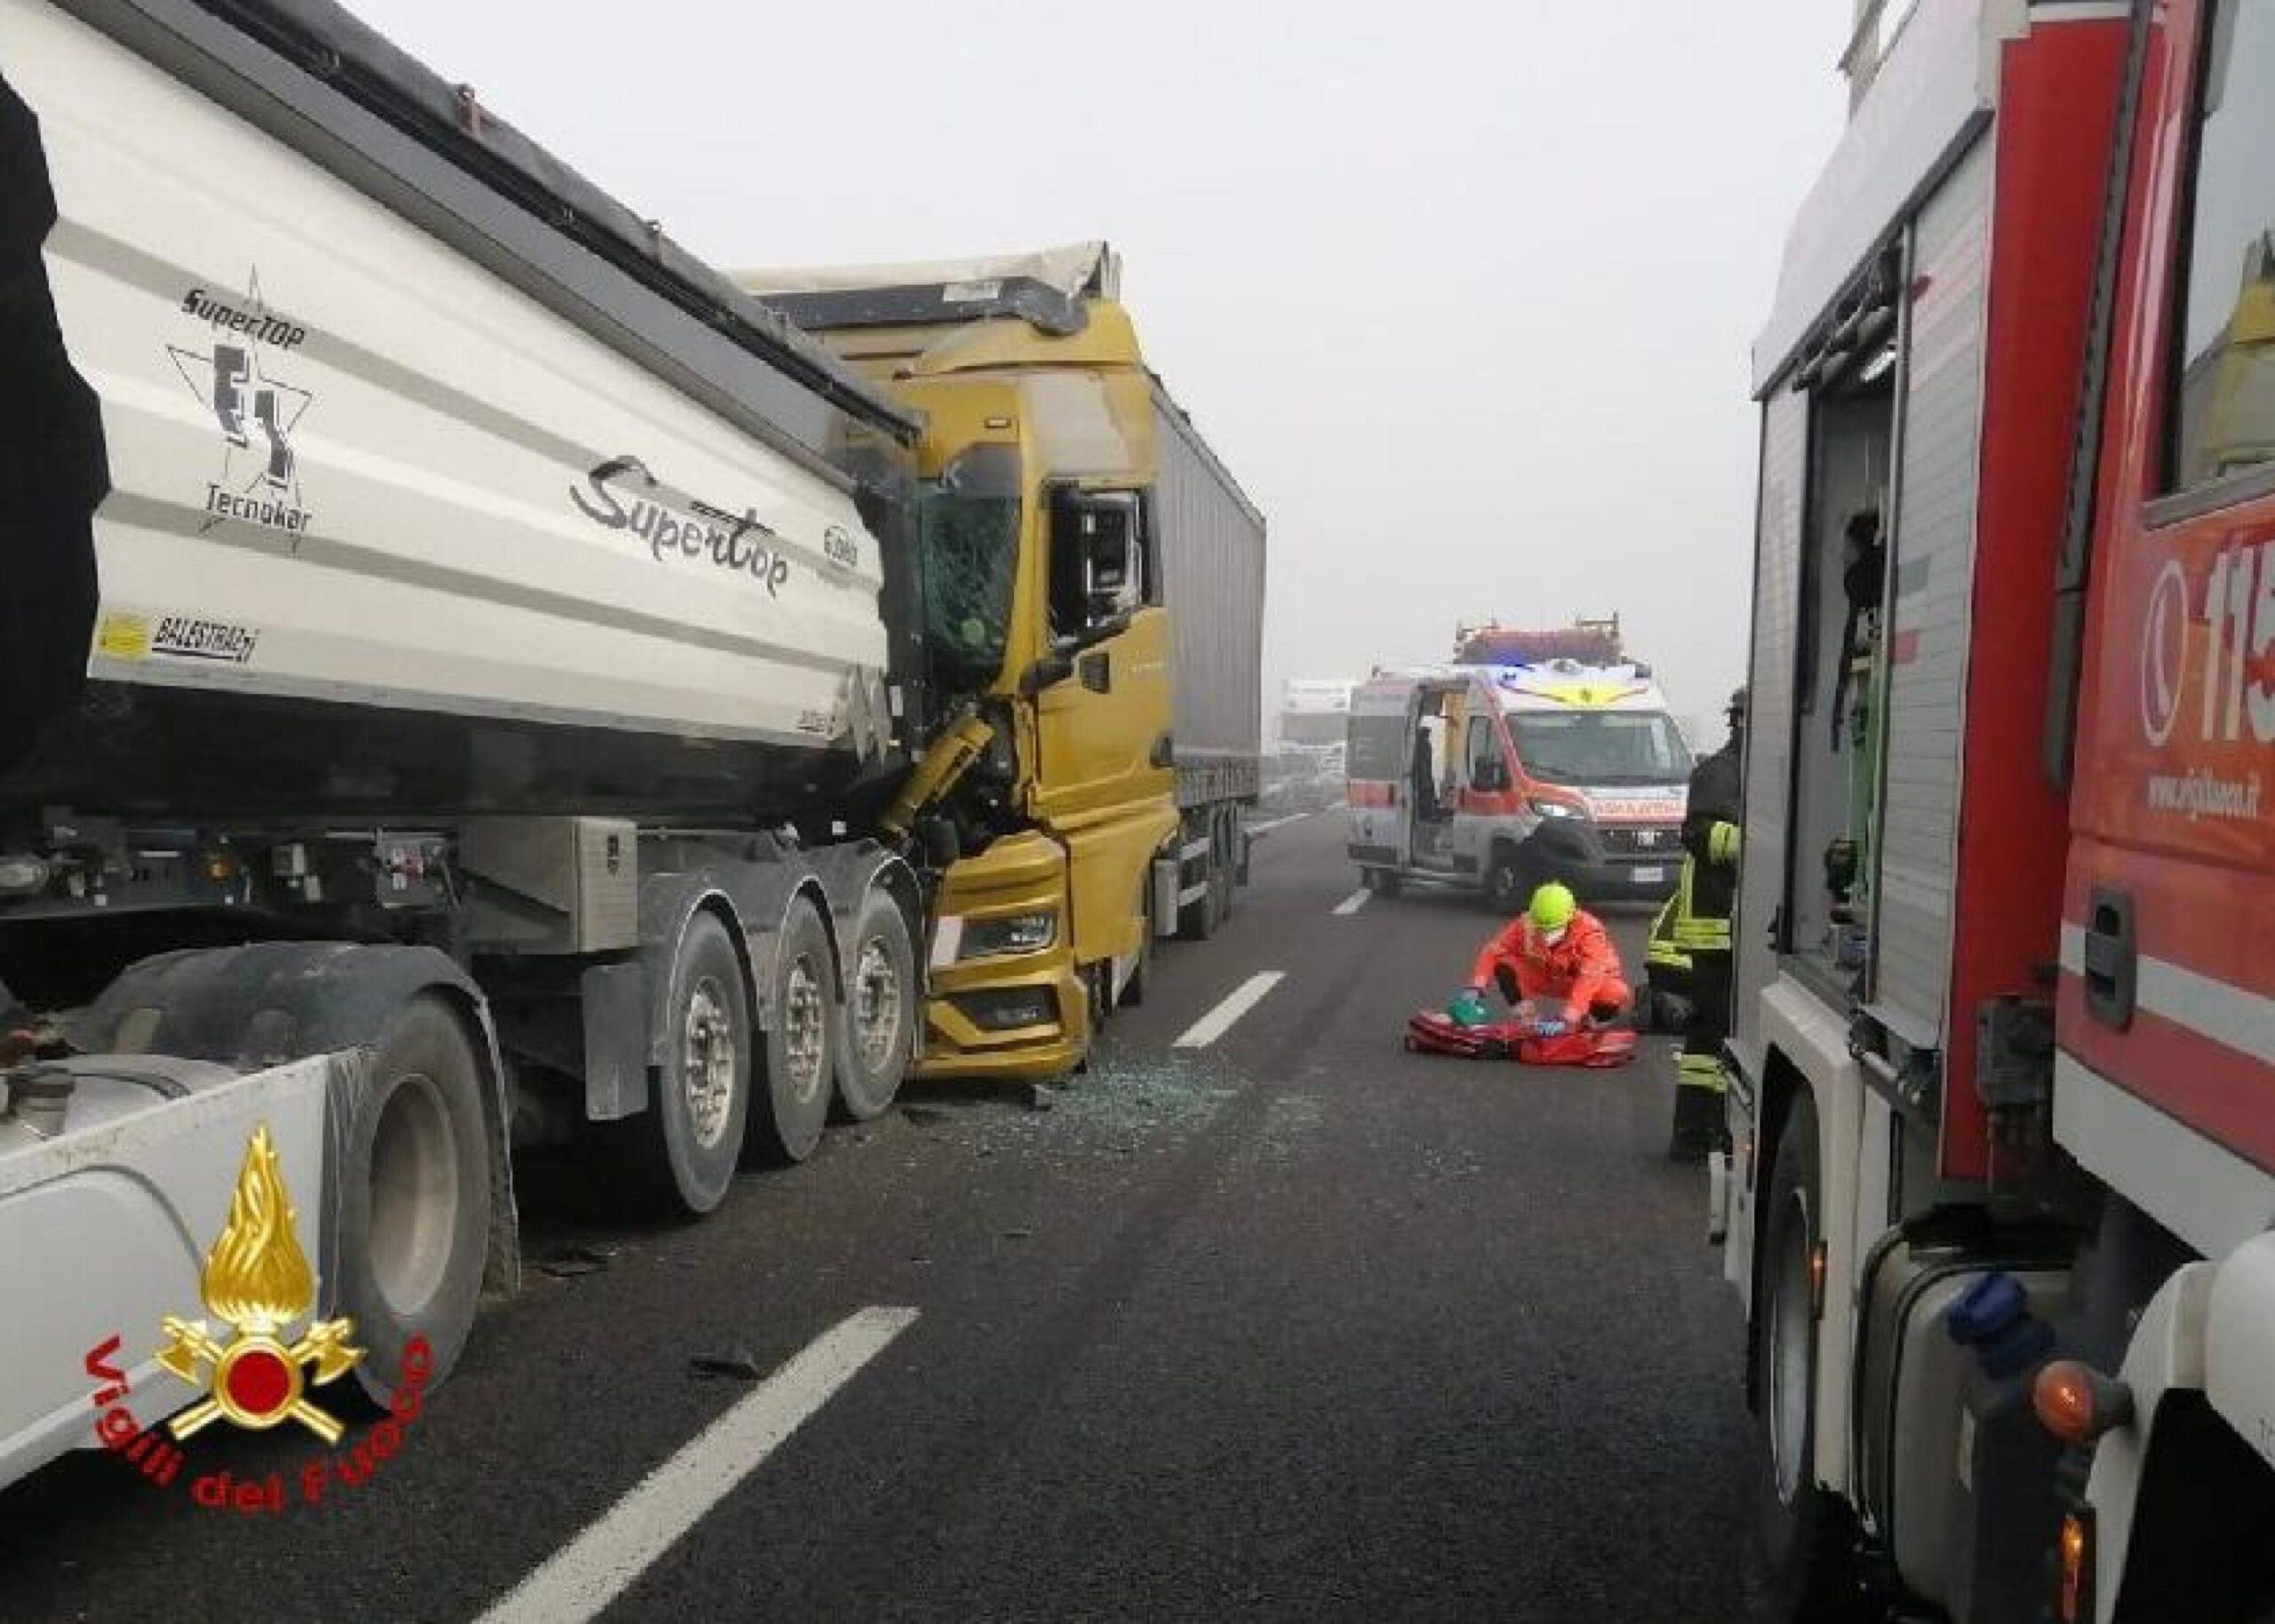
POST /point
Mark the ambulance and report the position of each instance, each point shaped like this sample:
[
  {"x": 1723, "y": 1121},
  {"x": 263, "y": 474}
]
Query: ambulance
[{"x": 1498, "y": 777}]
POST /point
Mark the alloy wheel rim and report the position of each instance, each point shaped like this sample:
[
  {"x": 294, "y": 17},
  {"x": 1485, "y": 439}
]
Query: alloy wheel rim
[
  {"x": 707, "y": 1060},
  {"x": 803, "y": 1028},
  {"x": 877, "y": 1003}
]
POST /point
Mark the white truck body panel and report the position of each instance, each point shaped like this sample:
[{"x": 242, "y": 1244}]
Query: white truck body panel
[
  {"x": 124, "y": 1209},
  {"x": 433, "y": 539},
  {"x": 1938, "y": 83}
]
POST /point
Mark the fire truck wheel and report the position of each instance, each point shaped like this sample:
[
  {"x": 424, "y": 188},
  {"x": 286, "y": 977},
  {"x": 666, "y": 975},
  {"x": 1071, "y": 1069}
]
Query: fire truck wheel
[
  {"x": 414, "y": 1210},
  {"x": 692, "y": 1131},
  {"x": 881, "y": 1010},
  {"x": 1805, "y": 1540},
  {"x": 798, "y": 1071}
]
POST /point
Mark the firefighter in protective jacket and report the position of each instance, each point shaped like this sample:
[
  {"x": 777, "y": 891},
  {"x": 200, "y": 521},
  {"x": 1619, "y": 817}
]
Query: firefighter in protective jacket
[
  {"x": 1555, "y": 963},
  {"x": 1701, "y": 928}
]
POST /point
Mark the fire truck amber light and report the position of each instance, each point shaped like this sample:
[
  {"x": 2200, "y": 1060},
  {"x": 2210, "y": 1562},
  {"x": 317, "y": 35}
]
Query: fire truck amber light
[
  {"x": 2074, "y": 1605},
  {"x": 2077, "y": 1404}
]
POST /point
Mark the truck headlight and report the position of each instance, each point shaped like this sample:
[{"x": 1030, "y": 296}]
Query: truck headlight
[
  {"x": 1013, "y": 933},
  {"x": 1557, "y": 808}
]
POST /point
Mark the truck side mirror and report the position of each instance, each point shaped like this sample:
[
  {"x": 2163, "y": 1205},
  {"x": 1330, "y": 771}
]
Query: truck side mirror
[{"x": 1491, "y": 775}]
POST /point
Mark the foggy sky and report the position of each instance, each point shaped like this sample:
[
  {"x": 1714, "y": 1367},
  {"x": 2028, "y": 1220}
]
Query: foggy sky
[{"x": 1462, "y": 293}]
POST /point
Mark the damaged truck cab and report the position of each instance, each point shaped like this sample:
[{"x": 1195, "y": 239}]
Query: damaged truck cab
[{"x": 1092, "y": 586}]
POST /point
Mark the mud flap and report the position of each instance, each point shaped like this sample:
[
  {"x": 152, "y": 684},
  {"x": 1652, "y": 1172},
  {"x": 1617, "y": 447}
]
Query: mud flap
[{"x": 53, "y": 471}]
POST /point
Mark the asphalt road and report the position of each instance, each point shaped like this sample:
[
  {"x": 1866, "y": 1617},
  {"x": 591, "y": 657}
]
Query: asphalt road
[{"x": 1296, "y": 1325}]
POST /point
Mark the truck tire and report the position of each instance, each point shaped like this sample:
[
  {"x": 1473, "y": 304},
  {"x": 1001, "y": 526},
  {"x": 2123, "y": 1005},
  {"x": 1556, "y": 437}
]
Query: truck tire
[
  {"x": 1197, "y": 921},
  {"x": 1804, "y": 1544},
  {"x": 881, "y": 999},
  {"x": 414, "y": 1197},
  {"x": 1224, "y": 865},
  {"x": 692, "y": 1131},
  {"x": 798, "y": 1070},
  {"x": 1381, "y": 881}
]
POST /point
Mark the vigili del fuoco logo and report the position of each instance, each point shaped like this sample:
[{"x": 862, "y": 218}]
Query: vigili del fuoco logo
[{"x": 257, "y": 1284}]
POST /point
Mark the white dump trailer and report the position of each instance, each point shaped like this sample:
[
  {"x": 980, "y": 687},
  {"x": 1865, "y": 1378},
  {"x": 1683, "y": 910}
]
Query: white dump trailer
[{"x": 447, "y": 672}]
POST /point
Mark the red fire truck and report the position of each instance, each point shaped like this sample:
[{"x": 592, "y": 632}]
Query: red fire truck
[{"x": 2001, "y": 1101}]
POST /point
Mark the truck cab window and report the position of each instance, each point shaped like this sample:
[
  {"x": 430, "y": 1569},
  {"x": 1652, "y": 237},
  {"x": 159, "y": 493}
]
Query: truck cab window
[
  {"x": 1100, "y": 564},
  {"x": 2223, "y": 421},
  {"x": 968, "y": 543}
]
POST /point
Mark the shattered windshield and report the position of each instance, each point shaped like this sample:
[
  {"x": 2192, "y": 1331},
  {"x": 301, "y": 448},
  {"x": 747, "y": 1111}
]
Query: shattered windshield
[
  {"x": 1601, "y": 747},
  {"x": 967, "y": 541}
]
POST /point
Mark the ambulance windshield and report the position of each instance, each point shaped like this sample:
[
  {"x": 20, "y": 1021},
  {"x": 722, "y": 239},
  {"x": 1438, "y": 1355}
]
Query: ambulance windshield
[{"x": 1601, "y": 748}]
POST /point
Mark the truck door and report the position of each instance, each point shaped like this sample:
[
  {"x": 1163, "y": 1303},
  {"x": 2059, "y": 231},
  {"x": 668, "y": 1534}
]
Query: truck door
[{"x": 1107, "y": 775}]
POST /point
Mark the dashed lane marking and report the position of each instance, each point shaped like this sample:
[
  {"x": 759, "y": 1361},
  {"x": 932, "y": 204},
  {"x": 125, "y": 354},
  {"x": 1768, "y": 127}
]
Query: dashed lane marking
[
  {"x": 1270, "y": 823},
  {"x": 1355, "y": 902},
  {"x": 1237, "y": 1003},
  {"x": 581, "y": 1578}
]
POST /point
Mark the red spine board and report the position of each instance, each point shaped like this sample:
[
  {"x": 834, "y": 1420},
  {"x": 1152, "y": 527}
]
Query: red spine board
[
  {"x": 2057, "y": 100},
  {"x": 2158, "y": 714}
]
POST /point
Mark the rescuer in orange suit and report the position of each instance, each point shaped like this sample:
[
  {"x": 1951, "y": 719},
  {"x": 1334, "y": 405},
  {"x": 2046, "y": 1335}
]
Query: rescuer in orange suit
[{"x": 1551, "y": 953}]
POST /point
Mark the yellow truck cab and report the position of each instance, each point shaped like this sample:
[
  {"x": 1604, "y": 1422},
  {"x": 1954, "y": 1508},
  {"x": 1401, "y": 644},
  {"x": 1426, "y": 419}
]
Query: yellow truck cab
[{"x": 1092, "y": 588}]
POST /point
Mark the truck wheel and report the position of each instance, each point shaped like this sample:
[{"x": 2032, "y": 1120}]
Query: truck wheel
[
  {"x": 1382, "y": 881},
  {"x": 881, "y": 1010},
  {"x": 1805, "y": 1538},
  {"x": 798, "y": 1069},
  {"x": 414, "y": 1209},
  {"x": 1197, "y": 921},
  {"x": 693, "y": 1129},
  {"x": 1507, "y": 882},
  {"x": 1224, "y": 866}
]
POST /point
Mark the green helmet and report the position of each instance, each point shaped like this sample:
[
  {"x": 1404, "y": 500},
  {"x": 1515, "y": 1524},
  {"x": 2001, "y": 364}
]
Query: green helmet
[{"x": 1553, "y": 907}]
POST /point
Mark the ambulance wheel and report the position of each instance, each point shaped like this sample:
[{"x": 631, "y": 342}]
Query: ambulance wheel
[
  {"x": 1508, "y": 882},
  {"x": 1804, "y": 1544},
  {"x": 881, "y": 1010},
  {"x": 798, "y": 1071},
  {"x": 414, "y": 1198},
  {"x": 1381, "y": 881}
]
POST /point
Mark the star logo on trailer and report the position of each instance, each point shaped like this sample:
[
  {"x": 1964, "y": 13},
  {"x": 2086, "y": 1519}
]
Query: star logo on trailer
[
  {"x": 257, "y": 1281},
  {"x": 2164, "y": 652},
  {"x": 236, "y": 377}
]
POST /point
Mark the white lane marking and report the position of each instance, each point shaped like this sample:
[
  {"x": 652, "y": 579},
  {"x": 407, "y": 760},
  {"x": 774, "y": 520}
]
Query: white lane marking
[
  {"x": 599, "y": 1565},
  {"x": 1237, "y": 1003},
  {"x": 1355, "y": 902},
  {"x": 1270, "y": 823}
]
